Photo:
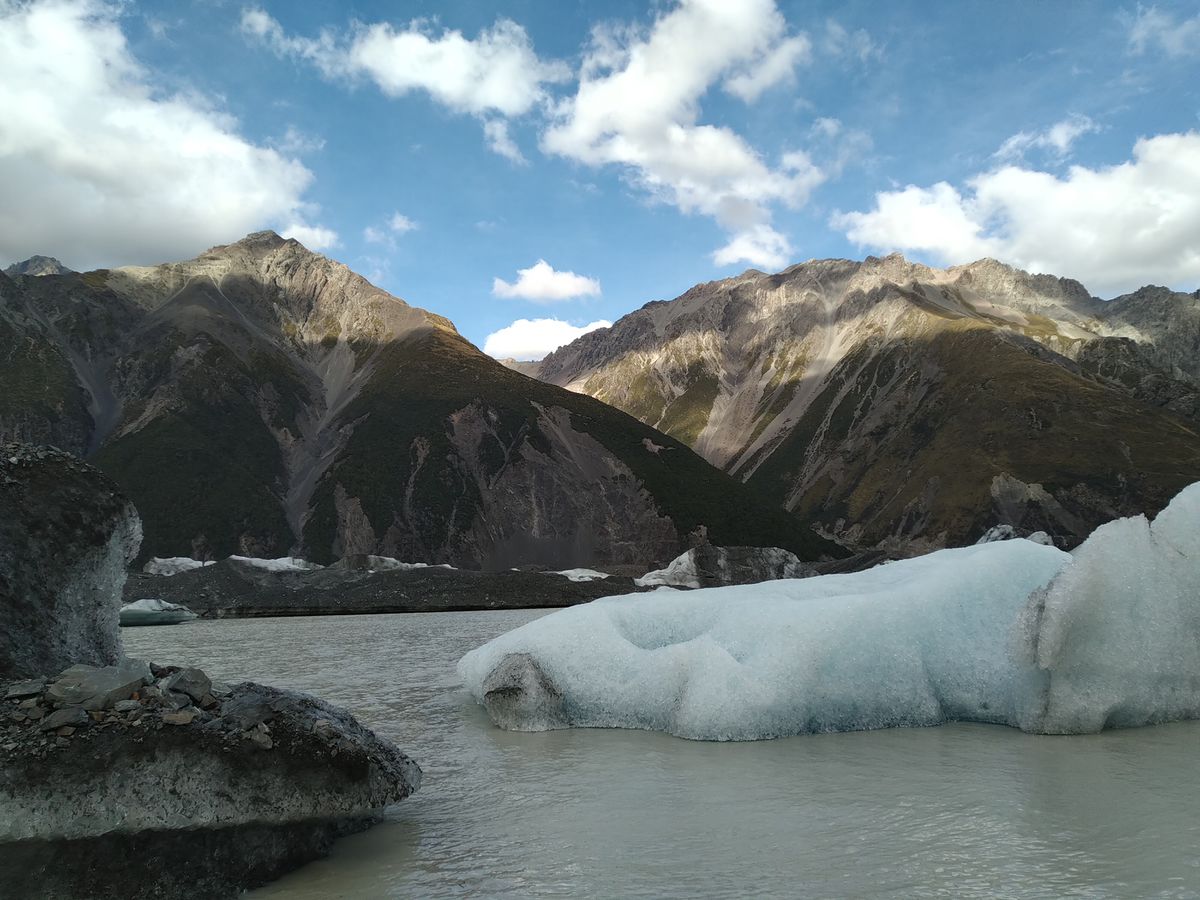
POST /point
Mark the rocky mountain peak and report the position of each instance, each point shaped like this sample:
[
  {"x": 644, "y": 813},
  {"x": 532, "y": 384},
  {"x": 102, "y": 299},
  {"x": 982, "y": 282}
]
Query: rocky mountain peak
[{"x": 37, "y": 265}]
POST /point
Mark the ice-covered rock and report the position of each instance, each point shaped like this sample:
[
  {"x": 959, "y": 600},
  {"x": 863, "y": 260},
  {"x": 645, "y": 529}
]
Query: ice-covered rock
[
  {"x": 153, "y": 611},
  {"x": 66, "y": 537},
  {"x": 1009, "y": 533},
  {"x": 283, "y": 564},
  {"x": 581, "y": 574},
  {"x": 709, "y": 566},
  {"x": 1010, "y": 632},
  {"x": 173, "y": 565}
]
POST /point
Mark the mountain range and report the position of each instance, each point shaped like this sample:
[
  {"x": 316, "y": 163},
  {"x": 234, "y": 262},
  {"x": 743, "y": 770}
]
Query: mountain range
[
  {"x": 906, "y": 408},
  {"x": 262, "y": 400}
]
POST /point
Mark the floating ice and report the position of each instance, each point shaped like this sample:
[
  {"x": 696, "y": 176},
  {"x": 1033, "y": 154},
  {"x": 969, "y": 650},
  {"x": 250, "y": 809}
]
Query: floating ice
[
  {"x": 1010, "y": 632},
  {"x": 283, "y": 564},
  {"x": 152, "y": 611},
  {"x": 1008, "y": 533},
  {"x": 173, "y": 565},
  {"x": 581, "y": 574},
  {"x": 680, "y": 572}
]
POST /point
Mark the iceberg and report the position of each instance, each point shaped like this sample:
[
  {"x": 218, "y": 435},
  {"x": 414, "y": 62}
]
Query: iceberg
[
  {"x": 173, "y": 565},
  {"x": 1009, "y": 632},
  {"x": 152, "y": 611}
]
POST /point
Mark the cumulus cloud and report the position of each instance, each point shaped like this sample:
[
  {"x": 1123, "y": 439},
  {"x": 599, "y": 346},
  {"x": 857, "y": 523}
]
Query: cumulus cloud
[
  {"x": 1115, "y": 228},
  {"x": 99, "y": 167},
  {"x": 637, "y": 106},
  {"x": 397, "y": 224},
  {"x": 314, "y": 237},
  {"x": 493, "y": 76},
  {"x": 1057, "y": 139},
  {"x": 533, "y": 339},
  {"x": 495, "y": 131},
  {"x": 1153, "y": 29},
  {"x": 541, "y": 283}
]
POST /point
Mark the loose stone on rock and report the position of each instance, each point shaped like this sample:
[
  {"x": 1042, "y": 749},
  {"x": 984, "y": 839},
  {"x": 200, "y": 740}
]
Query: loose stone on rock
[{"x": 72, "y": 715}]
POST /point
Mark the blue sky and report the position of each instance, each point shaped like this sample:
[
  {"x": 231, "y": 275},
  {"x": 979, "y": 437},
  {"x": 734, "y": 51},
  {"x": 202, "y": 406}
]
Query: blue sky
[{"x": 615, "y": 152}]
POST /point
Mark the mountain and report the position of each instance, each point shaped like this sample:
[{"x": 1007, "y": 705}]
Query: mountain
[
  {"x": 37, "y": 265},
  {"x": 262, "y": 399},
  {"x": 905, "y": 407}
]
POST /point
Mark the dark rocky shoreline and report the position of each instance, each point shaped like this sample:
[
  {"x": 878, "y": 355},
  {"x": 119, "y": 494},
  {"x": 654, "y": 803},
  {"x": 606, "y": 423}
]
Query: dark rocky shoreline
[{"x": 230, "y": 589}]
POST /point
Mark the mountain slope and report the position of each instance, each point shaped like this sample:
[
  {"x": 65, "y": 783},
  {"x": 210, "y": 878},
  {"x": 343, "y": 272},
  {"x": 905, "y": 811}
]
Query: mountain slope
[
  {"x": 907, "y": 407},
  {"x": 262, "y": 399}
]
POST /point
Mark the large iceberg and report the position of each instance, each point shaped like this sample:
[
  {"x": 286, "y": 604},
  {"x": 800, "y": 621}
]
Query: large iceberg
[{"x": 1010, "y": 632}]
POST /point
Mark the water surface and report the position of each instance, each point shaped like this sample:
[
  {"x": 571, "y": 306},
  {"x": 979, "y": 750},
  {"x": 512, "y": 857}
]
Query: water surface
[{"x": 956, "y": 811}]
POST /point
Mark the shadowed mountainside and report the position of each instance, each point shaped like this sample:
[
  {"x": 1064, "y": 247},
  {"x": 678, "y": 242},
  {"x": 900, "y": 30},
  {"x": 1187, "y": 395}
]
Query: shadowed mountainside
[{"x": 262, "y": 399}]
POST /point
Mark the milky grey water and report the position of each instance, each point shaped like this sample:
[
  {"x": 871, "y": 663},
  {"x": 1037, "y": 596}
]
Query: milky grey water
[{"x": 957, "y": 811}]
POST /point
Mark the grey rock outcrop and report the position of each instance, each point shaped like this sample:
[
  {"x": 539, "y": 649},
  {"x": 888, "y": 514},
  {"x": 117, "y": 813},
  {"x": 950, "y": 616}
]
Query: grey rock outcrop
[
  {"x": 260, "y": 780},
  {"x": 66, "y": 537}
]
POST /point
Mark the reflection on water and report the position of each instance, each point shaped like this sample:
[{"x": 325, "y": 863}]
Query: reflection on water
[{"x": 957, "y": 811}]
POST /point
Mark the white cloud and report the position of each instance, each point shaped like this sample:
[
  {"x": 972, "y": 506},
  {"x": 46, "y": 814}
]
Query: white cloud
[
  {"x": 542, "y": 284},
  {"x": 778, "y": 66},
  {"x": 497, "y": 72},
  {"x": 495, "y": 131},
  {"x": 313, "y": 237},
  {"x": 638, "y": 107},
  {"x": 397, "y": 224},
  {"x": 296, "y": 142},
  {"x": 401, "y": 224},
  {"x": 1057, "y": 139},
  {"x": 761, "y": 246},
  {"x": 856, "y": 45},
  {"x": 1153, "y": 28},
  {"x": 99, "y": 167},
  {"x": 1114, "y": 228},
  {"x": 530, "y": 339}
]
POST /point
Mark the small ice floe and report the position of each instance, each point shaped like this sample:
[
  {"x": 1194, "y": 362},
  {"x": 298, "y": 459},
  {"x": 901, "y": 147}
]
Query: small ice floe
[{"x": 152, "y": 611}]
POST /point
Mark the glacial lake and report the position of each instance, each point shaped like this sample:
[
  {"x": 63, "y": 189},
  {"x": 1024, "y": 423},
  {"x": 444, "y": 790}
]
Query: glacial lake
[{"x": 955, "y": 811}]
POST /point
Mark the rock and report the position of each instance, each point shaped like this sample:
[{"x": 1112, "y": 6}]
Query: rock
[
  {"x": 72, "y": 715},
  {"x": 180, "y": 717},
  {"x": 519, "y": 697},
  {"x": 94, "y": 687},
  {"x": 709, "y": 566},
  {"x": 189, "y": 681},
  {"x": 66, "y": 536},
  {"x": 23, "y": 689},
  {"x": 226, "y": 815},
  {"x": 125, "y": 706}
]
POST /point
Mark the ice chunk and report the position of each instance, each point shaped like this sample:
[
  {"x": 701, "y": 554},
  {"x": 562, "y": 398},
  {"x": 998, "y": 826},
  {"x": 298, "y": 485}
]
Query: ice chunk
[
  {"x": 173, "y": 565},
  {"x": 581, "y": 574},
  {"x": 153, "y": 611},
  {"x": 1010, "y": 632},
  {"x": 389, "y": 564},
  {"x": 283, "y": 564},
  {"x": 1008, "y": 533},
  {"x": 680, "y": 572},
  {"x": 710, "y": 566}
]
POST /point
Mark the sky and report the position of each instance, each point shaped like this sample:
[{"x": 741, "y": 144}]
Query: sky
[{"x": 535, "y": 168}]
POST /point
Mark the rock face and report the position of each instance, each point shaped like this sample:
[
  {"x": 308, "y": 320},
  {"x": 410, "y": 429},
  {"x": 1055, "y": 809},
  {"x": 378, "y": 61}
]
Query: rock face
[
  {"x": 263, "y": 400},
  {"x": 66, "y": 536},
  {"x": 233, "y": 589},
  {"x": 209, "y": 794},
  {"x": 886, "y": 400},
  {"x": 36, "y": 266},
  {"x": 123, "y": 779}
]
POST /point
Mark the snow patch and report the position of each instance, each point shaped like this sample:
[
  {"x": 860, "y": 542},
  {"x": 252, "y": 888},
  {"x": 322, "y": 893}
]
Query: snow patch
[
  {"x": 1009, "y": 632},
  {"x": 283, "y": 564},
  {"x": 581, "y": 574},
  {"x": 173, "y": 565}
]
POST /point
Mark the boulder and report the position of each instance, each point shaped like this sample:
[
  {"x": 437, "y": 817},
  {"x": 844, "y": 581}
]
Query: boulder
[
  {"x": 66, "y": 537},
  {"x": 710, "y": 566},
  {"x": 140, "y": 800},
  {"x": 92, "y": 687}
]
